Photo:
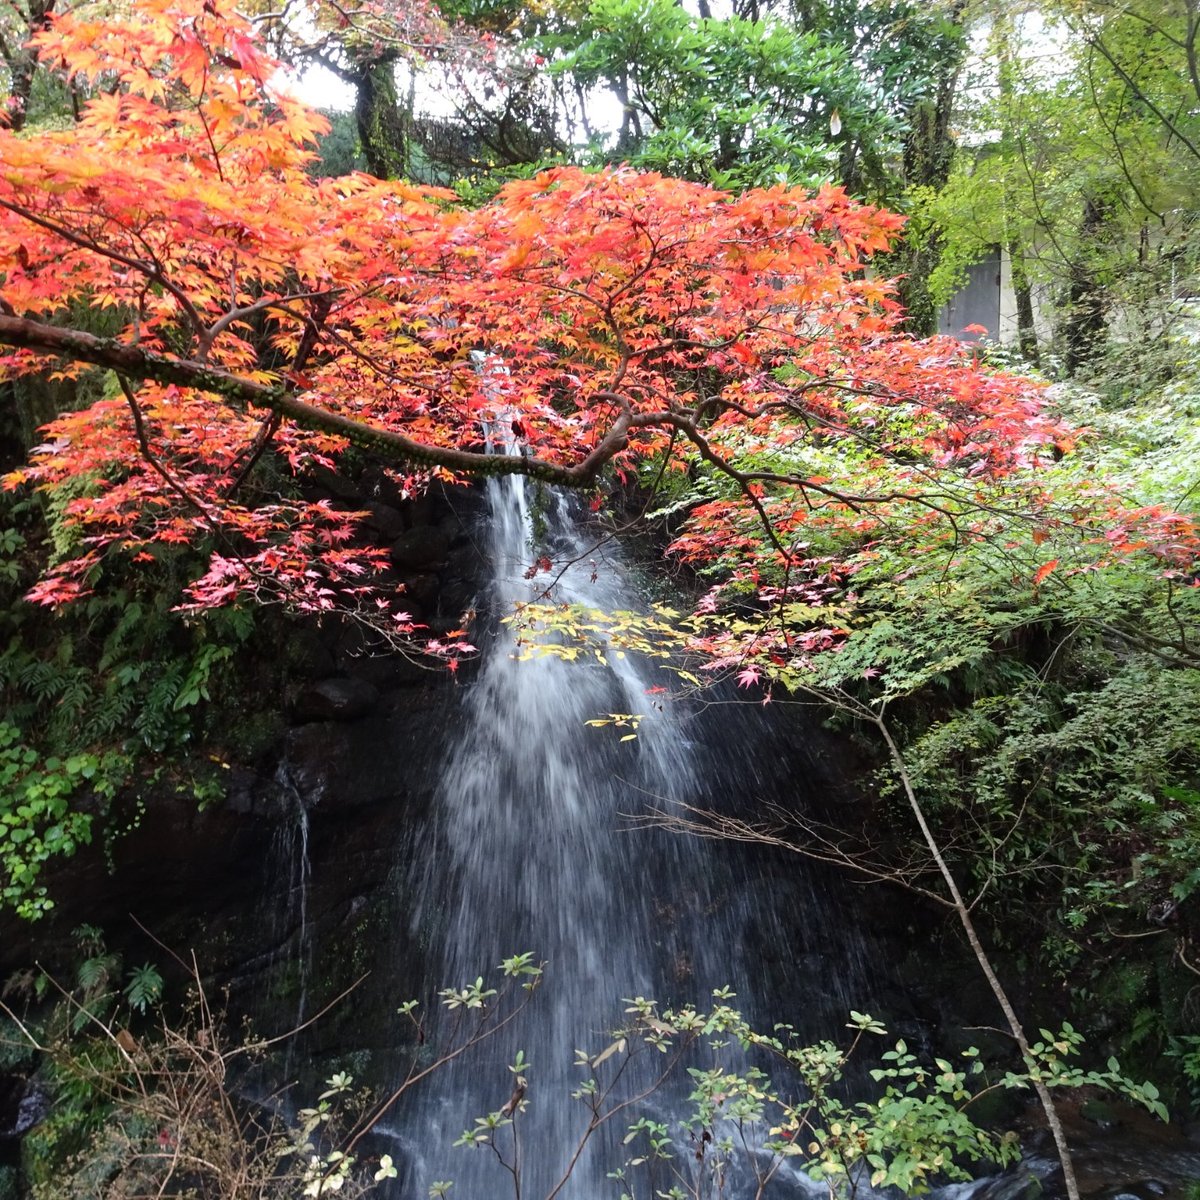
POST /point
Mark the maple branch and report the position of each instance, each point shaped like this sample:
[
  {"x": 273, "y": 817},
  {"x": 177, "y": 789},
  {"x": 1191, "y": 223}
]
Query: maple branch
[
  {"x": 856, "y": 502},
  {"x": 743, "y": 480},
  {"x": 205, "y": 126},
  {"x": 334, "y": 335},
  {"x": 152, "y": 270},
  {"x": 133, "y": 361},
  {"x": 223, "y": 322},
  {"x": 313, "y": 324},
  {"x": 262, "y": 440},
  {"x": 143, "y": 441}
]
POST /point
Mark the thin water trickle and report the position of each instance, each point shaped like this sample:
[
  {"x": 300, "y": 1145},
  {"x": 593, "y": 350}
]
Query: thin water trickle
[{"x": 293, "y": 876}]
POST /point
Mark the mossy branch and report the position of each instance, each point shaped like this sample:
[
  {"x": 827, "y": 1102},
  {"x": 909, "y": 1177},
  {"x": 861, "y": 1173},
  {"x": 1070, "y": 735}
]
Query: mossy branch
[{"x": 138, "y": 363}]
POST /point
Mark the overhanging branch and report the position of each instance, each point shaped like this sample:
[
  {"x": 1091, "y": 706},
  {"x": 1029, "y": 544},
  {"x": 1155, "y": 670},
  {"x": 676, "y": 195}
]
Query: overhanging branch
[{"x": 138, "y": 363}]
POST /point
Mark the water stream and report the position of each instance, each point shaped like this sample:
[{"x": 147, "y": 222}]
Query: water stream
[
  {"x": 532, "y": 851},
  {"x": 529, "y": 848}
]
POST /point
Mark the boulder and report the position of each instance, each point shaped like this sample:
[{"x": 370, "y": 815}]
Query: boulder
[
  {"x": 309, "y": 653},
  {"x": 338, "y": 486},
  {"x": 421, "y": 586},
  {"x": 23, "y": 1104},
  {"x": 456, "y": 528}
]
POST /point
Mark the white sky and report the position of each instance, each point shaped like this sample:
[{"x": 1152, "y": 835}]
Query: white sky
[{"x": 322, "y": 89}]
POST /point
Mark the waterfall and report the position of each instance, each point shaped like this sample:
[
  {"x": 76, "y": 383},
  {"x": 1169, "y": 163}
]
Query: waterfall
[
  {"x": 533, "y": 855},
  {"x": 532, "y": 851}
]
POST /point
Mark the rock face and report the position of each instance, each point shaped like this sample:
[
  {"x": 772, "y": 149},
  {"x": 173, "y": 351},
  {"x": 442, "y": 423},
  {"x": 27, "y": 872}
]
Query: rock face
[
  {"x": 424, "y": 548},
  {"x": 23, "y": 1103},
  {"x": 292, "y": 888},
  {"x": 386, "y": 521},
  {"x": 287, "y": 890},
  {"x": 336, "y": 700}
]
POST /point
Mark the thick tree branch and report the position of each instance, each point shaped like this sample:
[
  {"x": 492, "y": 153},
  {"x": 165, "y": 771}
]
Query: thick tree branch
[{"x": 135, "y": 362}]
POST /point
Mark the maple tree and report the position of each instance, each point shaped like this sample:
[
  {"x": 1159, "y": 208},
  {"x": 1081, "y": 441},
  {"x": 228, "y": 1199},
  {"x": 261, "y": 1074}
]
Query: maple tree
[
  {"x": 608, "y": 319},
  {"x": 734, "y": 350}
]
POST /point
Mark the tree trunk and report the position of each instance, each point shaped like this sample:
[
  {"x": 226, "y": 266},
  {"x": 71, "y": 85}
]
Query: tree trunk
[
  {"x": 1003, "y": 38},
  {"x": 928, "y": 157},
  {"x": 384, "y": 127},
  {"x": 22, "y": 63},
  {"x": 1026, "y": 332},
  {"x": 1083, "y": 330}
]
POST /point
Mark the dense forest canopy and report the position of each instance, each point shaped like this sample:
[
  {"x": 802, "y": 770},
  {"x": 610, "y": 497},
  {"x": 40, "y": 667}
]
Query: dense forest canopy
[{"x": 688, "y": 262}]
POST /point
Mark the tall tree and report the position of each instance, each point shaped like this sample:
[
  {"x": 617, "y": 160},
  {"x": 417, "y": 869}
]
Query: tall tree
[
  {"x": 1079, "y": 164},
  {"x": 18, "y": 23},
  {"x": 800, "y": 92},
  {"x": 1003, "y": 50},
  {"x": 928, "y": 158},
  {"x": 729, "y": 101}
]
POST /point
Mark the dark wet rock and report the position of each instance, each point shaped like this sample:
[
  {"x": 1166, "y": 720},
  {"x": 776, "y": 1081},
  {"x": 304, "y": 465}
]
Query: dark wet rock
[
  {"x": 1019, "y": 1184},
  {"x": 421, "y": 548},
  {"x": 336, "y": 700},
  {"x": 344, "y": 764},
  {"x": 12, "y": 1089},
  {"x": 1100, "y": 1113},
  {"x": 392, "y": 670},
  {"x": 384, "y": 521},
  {"x": 249, "y": 792},
  {"x": 23, "y": 1104},
  {"x": 376, "y": 484},
  {"x": 309, "y": 654},
  {"x": 337, "y": 485},
  {"x": 426, "y": 509},
  {"x": 365, "y": 653},
  {"x": 457, "y": 595},
  {"x": 421, "y": 586},
  {"x": 355, "y": 641},
  {"x": 456, "y": 528}
]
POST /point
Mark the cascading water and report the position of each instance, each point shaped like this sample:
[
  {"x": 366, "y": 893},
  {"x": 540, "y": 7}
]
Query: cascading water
[
  {"x": 530, "y": 812},
  {"x": 532, "y": 852}
]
